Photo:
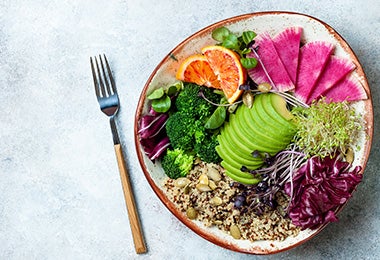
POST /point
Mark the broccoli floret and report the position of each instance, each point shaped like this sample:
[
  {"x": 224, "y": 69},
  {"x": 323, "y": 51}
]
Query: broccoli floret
[
  {"x": 182, "y": 130},
  {"x": 205, "y": 149},
  {"x": 176, "y": 163},
  {"x": 190, "y": 101},
  {"x": 186, "y": 126}
]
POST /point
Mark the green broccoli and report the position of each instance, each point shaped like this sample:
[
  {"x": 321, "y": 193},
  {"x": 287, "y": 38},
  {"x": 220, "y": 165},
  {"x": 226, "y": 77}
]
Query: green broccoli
[
  {"x": 176, "y": 163},
  {"x": 205, "y": 149},
  {"x": 190, "y": 101},
  {"x": 186, "y": 126},
  {"x": 182, "y": 129}
]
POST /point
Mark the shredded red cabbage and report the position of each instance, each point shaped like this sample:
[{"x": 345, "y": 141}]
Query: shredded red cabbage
[
  {"x": 318, "y": 188},
  {"x": 152, "y": 133}
]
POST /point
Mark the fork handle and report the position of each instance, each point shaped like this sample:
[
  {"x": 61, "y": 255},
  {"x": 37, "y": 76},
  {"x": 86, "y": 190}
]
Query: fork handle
[{"x": 134, "y": 221}]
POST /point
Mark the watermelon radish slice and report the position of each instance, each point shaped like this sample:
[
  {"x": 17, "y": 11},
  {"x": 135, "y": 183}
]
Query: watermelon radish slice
[
  {"x": 349, "y": 89},
  {"x": 272, "y": 64},
  {"x": 287, "y": 44},
  {"x": 313, "y": 59},
  {"x": 336, "y": 69}
]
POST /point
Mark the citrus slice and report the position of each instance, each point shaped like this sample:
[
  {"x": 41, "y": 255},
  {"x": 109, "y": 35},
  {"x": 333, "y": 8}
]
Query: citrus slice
[
  {"x": 226, "y": 65},
  {"x": 196, "y": 69}
]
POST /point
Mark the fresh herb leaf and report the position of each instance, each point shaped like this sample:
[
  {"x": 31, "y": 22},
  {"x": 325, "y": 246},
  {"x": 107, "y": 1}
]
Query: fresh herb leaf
[
  {"x": 161, "y": 105},
  {"x": 239, "y": 44},
  {"x": 248, "y": 63},
  {"x": 172, "y": 90},
  {"x": 248, "y": 36},
  {"x": 219, "y": 34},
  {"x": 217, "y": 119},
  {"x": 245, "y": 51},
  {"x": 231, "y": 42},
  {"x": 156, "y": 94}
]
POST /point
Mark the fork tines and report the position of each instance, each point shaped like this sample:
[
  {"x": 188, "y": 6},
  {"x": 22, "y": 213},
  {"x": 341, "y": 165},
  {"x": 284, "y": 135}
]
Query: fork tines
[{"x": 103, "y": 81}]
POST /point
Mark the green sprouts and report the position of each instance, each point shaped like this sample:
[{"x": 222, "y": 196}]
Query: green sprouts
[{"x": 326, "y": 128}]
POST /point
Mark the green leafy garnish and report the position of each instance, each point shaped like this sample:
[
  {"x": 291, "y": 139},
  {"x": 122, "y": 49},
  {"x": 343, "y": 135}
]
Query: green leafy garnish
[
  {"x": 248, "y": 63},
  {"x": 326, "y": 129},
  {"x": 239, "y": 44},
  {"x": 161, "y": 101},
  {"x": 217, "y": 118},
  {"x": 248, "y": 37},
  {"x": 156, "y": 94},
  {"x": 231, "y": 42},
  {"x": 219, "y": 34},
  {"x": 162, "y": 105}
]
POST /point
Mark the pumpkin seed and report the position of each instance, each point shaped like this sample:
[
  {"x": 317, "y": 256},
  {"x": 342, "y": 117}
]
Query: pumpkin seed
[
  {"x": 191, "y": 213},
  {"x": 350, "y": 155},
  {"x": 216, "y": 201},
  {"x": 212, "y": 185},
  {"x": 264, "y": 87},
  {"x": 202, "y": 187},
  {"x": 235, "y": 231},
  {"x": 203, "y": 179},
  {"x": 248, "y": 98},
  {"x": 214, "y": 174},
  {"x": 181, "y": 182}
]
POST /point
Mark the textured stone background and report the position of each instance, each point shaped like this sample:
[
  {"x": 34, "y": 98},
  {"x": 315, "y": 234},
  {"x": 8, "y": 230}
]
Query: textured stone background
[{"x": 60, "y": 193}]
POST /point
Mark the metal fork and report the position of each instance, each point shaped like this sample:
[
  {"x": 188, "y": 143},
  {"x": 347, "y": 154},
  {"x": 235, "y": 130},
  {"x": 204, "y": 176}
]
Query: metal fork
[{"x": 108, "y": 99}]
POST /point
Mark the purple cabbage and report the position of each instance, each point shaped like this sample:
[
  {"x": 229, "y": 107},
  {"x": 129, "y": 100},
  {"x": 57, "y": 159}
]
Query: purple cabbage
[
  {"x": 152, "y": 133},
  {"x": 317, "y": 190}
]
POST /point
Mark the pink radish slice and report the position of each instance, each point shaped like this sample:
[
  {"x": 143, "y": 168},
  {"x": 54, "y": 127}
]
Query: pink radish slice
[
  {"x": 272, "y": 63},
  {"x": 335, "y": 70},
  {"x": 313, "y": 59},
  {"x": 287, "y": 44},
  {"x": 349, "y": 89}
]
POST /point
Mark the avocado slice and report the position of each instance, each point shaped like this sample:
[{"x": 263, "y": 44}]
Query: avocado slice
[
  {"x": 275, "y": 107},
  {"x": 229, "y": 156},
  {"x": 228, "y": 139},
  {"x": 236, "y": 171},
  {"x": 237, "y": 142},
  {"x": 278, "y": 130},
  {"x": 259, "y": 143},
  {"x": 233, "y": 174},
  {"x": 255, "y": 131},
  {"x": 279, "y": 104}
]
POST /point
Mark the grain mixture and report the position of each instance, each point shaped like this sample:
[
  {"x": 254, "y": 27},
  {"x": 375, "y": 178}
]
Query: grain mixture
[{"x": 206, "y": 195}]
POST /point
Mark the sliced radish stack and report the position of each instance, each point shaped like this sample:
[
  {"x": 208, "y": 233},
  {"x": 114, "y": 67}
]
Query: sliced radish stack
[
  {"x": 273, "y": 66},
  {"x": 311, "y": 72},
  {"x": 349, "y": 89},
  {"x": 336, "y": 69},
  {"x": 313, "y": 59},
  {"x": 287, "y": 45}
]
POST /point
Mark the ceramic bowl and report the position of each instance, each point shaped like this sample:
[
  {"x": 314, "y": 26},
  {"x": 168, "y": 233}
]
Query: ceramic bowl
[{"x": 164, "y": 74}]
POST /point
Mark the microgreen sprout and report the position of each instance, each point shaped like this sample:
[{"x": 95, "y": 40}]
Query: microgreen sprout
[
  {"x": 277, "y": 171},
  {"x": 326, "y": 129},
  {"x": 240, "y": 44}
]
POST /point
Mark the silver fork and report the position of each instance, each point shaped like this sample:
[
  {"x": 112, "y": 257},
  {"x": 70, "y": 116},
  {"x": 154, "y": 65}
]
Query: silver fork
[{"x": 108, "y": 99}]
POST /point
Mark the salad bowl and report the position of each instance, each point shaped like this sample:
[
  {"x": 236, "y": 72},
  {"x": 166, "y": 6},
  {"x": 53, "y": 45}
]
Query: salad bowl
[{"x": 164, "y": 74}]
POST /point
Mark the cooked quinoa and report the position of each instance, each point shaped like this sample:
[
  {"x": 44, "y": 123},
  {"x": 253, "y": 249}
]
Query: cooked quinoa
[{"x": 206, "y": 195}]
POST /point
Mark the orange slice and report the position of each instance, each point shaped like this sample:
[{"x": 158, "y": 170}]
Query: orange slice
[
  {"x": 196, "y": 69},
  {"x": 226, "y": 65}
]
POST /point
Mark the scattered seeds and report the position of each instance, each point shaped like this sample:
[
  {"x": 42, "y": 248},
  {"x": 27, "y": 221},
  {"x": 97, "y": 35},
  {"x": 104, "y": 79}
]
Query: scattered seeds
[
  {"x": 181, "y": 182},
  {"x": 264, "y": 87},
  {"x": 203, "y": 187},
  {"x": 248, "y": 98},
  {"x": 235, "y": 232},
  {"x": 216, "y": 201},
  {"x": 191, "y": 213}
]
